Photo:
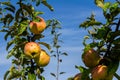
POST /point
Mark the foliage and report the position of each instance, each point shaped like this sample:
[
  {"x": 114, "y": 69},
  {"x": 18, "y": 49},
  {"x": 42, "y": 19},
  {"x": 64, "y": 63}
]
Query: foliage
[
  {"x": 15, "y": 21},
  {"x": 56, "y": 47},
  {"x": 104, "y": 37}
]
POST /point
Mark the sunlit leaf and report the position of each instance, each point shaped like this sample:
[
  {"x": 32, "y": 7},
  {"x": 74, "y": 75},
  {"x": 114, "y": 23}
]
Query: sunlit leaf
[
  {"x": 106, "y": 6},
  {"x": 22, "y": 27},
  {"x": 90, "y": 22},
  {"x": 99, "y": 3},
  {"x": 31, "y": 76},
  {"x": 46, "y": 45}
]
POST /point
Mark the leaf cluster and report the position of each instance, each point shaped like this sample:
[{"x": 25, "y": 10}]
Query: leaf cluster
[
  {"x": 15, "y": 19},
  {"x": 104, "y": 37}
]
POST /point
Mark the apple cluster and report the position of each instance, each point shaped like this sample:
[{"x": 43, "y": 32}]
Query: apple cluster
[
  {"x": 32, "y": 50},
  {"x": 98, "y": 71}
]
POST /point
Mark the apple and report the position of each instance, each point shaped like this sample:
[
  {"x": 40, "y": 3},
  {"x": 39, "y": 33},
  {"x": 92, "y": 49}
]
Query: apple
[
  {"x": 32, "y": 50},
  {"x": 37, "y": 27},
  {"x": 91, "y": 58},
  {"x": 78, "y": 77},
  {"x": 99, "y": 72},
  {"x": 43, "y": 59}
]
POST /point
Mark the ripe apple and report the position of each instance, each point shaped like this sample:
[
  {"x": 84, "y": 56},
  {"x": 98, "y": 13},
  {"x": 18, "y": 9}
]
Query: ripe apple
[
  {"x": 37, "y": 27},
  {"x": 99, "y": 72},
  {"x": 90, "y": 58},
  {"x": 78, "y": 77},
  {"x": 32, "y": 50},
  {"x": 43, "y": 59}
]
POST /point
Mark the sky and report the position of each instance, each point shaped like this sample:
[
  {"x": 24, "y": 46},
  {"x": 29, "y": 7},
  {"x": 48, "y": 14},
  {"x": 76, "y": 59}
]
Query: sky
[{"x": 70, "y": 13}]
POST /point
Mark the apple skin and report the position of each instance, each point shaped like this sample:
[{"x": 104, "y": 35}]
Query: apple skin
[
  {"x": 99, "y": 72},
  {"x": 91, "y": 58},
  {"x": 43, "y": 59},
  {"x": 78, "y": 77},
  {"x": 32, "y": 50},
  {"x": 37, "y": 27}
]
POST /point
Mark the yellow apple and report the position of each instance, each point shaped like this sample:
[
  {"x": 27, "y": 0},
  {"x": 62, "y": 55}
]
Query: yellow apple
[
  {"x": 43, "y": 59},
  {"x": 99, "y": 72},
  {"x": 37, "y": 27},
  {"x": 91, "y": 58},
  {"x": 32, "y": 50}
]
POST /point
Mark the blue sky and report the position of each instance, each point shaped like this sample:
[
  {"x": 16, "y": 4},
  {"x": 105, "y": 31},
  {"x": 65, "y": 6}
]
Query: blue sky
[{"x": 70, "y": 13}]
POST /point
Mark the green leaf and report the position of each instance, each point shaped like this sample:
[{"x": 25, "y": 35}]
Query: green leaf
[
  {"x": 28, "y": 8},
  {"x": 9, "y": 44},
  {"x": 17, "y": 14},
  {"x": 64, "y": 54},
  {"x": 80, "y": 68},
  {"x": 102, "y": 33},
  {"x": 46, "y": 45},
  {"x": 90, "y": 22},
  {"x": 53, "y": 74},
  {"x": 8, "y": 4},
  {"x": 112, "y": 68},
  {"x": 99, "y": 3},
  {"x": 31, "y": 76},
  {"x": 6, "y": 74},
  {"x": 47, "y": 5},
  {"x": 37, "y": 37},
  {"x": 10, "y": 9},
  {"x": 6, "y": 35},
  {"x": 37, "y": 2},
  {"x": 8, "y": 19},
  {"x": 106, "y": 6},
  {"x": 22, "y": 27},
  {"x": 36, "y": 13},
  {"x": 10, "y": 53},
  {"x": 42, "y": 78},
  {"x": 62, "y": 72},
  {"x": 70, "y": 78}
]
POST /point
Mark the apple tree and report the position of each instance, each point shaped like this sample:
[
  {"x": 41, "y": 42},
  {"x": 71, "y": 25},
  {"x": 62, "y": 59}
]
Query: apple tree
[
  {"x": 101, "y": 53},
  {"x": 23, "y": 27}
]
